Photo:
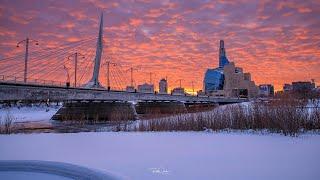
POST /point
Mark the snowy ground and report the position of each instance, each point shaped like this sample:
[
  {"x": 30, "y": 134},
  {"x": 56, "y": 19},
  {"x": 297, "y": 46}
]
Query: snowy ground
[
  {"x": 175, "y": 155},
  {"x": 30, "y": 113}
]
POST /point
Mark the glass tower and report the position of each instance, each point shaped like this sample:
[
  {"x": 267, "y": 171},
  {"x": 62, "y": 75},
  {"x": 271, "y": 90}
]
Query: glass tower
[{"x": 214, "y": 78}]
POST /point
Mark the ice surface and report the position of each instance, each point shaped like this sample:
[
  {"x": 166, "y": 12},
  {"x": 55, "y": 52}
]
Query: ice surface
[
  {"x": 29, "y": 175},
  {"x": 175, "y": 155},
  {"x": 35, "y": 169}
]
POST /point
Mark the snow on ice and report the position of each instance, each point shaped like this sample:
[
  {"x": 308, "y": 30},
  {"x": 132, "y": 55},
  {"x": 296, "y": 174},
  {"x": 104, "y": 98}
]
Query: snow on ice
[
  {"x": 30, "y": 113},
  {"x": 174, "y": 155}
]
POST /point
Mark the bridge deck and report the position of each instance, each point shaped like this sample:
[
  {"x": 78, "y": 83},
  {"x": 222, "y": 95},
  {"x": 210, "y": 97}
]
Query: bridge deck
[{"x": 14, "y": 91}]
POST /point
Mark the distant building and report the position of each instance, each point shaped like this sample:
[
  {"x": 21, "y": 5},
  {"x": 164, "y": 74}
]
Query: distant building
[
  {"x": 228, "y": 80},
  {"x": 303, "y": 86},
  {"x": 200, "y": 93},
  {"x": 178, "y": 91},
  {"x": 146, "y": 88},
  {"x": 214, "y": 78},
  {"x": 266, "y": 90},
  {"x": 217, "y": 93},
  {"x": 130, "y": 89},
  {"x": 287, "y": 87},
  {"x": 163, "y": 86},
  {"x": 237, "y": 83}
]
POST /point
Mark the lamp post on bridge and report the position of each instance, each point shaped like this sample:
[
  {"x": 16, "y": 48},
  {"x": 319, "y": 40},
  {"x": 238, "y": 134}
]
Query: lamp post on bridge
[
  {"x": 192, "y": 83},
  {"x": 180, "y": 84},
  {"x": 75, "y": 56},
  {"x": 131, "y": 69},
  {"x": 108, "y": 63},
  {"x": 150, "y": 77},
  {"x": 26, "y": 41},
  {"x": 68, "y": 75}
]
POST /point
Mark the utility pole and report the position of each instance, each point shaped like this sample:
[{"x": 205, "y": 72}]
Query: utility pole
[
  {"x": 27, "y": 41},
  {"x": 75, "y": 56},
  {"x": 108, "y": 73}
]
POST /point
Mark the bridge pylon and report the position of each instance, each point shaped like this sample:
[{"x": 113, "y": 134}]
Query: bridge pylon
[{"x": 94, "y": 82}]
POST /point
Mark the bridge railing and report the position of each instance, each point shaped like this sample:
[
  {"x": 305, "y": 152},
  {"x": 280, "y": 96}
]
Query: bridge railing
[
  {"x": 34, "y": 81},
  {"x": 20, "y": 80}
]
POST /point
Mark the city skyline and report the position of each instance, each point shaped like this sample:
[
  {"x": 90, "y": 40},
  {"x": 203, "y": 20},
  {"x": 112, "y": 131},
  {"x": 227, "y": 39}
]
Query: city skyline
[{"x": 277, "y": 42}]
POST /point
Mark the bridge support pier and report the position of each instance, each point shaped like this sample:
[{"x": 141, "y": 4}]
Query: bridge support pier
[
  {"x": 94, "y": 111},
  {"x": 123, "y": 111},
  {"x": 157, "y": 109},
  {"x": 193, "y": 107}
]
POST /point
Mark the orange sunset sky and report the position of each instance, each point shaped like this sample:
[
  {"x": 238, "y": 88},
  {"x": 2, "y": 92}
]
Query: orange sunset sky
[{"x": 276, "y": 41}]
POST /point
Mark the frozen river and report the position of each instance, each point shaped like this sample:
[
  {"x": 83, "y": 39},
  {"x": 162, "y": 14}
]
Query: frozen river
[{"x": 174, "y": 155}]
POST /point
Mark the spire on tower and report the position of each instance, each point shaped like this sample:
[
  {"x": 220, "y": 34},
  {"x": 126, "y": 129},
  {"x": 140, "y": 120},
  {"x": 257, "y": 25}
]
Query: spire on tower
[
  {"x": 223, "y": 60},
  {"x": 221, "y": 44}
]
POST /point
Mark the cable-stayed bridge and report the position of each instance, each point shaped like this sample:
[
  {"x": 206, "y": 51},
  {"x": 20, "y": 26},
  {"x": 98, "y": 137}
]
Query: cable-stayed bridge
[{"x": 75, "y": 71}]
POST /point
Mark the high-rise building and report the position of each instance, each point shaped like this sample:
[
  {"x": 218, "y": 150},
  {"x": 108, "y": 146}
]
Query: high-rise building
[
  {"x": 214, "y": 78},
  {"x": 163, "y": 86},
  {"x": 228, "y": 80}
]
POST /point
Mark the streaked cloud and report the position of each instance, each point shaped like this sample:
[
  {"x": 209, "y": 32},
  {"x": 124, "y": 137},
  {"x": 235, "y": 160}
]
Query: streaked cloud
[{"x": 277, "y": 41}]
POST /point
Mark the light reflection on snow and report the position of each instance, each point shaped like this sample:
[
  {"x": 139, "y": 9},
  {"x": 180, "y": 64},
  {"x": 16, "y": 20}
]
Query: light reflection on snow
[{"x": 161, "y": 171}]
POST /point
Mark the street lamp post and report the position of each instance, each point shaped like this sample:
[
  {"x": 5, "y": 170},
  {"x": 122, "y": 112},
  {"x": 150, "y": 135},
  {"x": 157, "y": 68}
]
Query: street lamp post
[
  {"x": 150, "y": 76},
  {"x": 180, "y": 84},
  {"x": 68, "y": 76},
  {"x": 131, "y": 69},
  {"x": 108, "y": 73},
  {"x": 131, "y": 75},
  {"x": 26, "y": 41},
  {"x": 192, "y": 83},
  {"x": 75, "y": 56}
]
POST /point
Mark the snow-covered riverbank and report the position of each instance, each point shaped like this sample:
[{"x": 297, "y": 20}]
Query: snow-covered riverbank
[
  {"x": 29, "y": 113},
  {"x": 174, "y": 155}
]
